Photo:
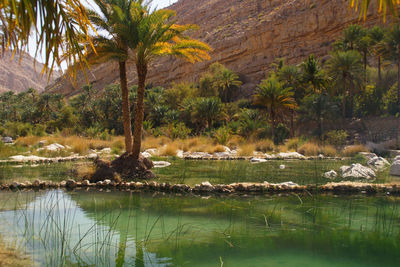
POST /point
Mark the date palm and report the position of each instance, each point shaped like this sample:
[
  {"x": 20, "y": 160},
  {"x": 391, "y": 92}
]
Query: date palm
[
  {"x": 392, "y": 52},
  {"x": 57, "y": 25},
  {"x": 159, "y": 35},
  {"x": 384, "y": 6},
  {"x": 347, "y": 73},
  {"x": 225, "y": 81},
  {"x": 376, "y": 35},
  {"x": 277, "y": 99},
  {"x": 117, "y": 24}
]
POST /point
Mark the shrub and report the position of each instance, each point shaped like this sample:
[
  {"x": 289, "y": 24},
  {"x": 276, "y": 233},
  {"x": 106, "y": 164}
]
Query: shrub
[
  {"x": 336, "y": 137},
  {"x": 309, "y": 149},
  {"x": 16, "y": 129},
  {"x": 281, "y": 133},
  {"x": 350, "y": 151},
  {"x": 222, "y": 135},
  {"x": 178, "y": 130},
  {"x": 80, "y": 145},
  {"x": 293, "y": 144},
  {"x": 246, "y": 150}
]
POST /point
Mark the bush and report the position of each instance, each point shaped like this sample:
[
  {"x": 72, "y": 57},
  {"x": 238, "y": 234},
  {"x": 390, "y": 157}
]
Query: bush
[
  {"x": 351, "y": 151},
  {"x": 309, "y": 149},
  {"x": 178, "y": 131},
  {"x": 222, "y": 135},
  {"x": 17, "y": 129},
  {"x": 336, "y": 137},
  {"x": 281, "y": 133}
]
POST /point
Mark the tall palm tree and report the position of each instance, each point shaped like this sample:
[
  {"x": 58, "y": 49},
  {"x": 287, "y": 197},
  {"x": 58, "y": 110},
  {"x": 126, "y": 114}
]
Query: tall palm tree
[
  {"x": 117, "y": 25},
  {"x": 277, "y": 99},
  {"x": 313, "y": 75},
  {"x": 392, "y": 52},
  {"x": 158, "y": 35},
  {"x": 58, "y": 25},
  {"x": 376, "y": 35},
  {"x": 347, "y": 72},
  {"x": 226, "y": 80}
]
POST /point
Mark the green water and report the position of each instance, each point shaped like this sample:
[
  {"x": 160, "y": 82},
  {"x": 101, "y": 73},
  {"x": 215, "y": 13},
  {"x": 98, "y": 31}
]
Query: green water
[
  {"x": 193, "y": 172},
  {"x": 92, "y": 228}
]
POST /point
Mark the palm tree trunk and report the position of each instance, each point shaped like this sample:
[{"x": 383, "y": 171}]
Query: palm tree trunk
[
  {"x": 379, "y": 70},
  {"x": 344, "y": 105},
  {"x": 398, "y": 80},
  {"x": 126, "y": 113},
  {"x": 139, "y": 110}
]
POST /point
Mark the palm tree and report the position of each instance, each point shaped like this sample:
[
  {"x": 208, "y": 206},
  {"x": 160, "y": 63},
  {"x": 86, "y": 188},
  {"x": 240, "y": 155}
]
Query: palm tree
[
  {"x": 117, "y": 25},
  {"x": 58, "y": 25},
  {"x": 226, "y": 80},
  {"x": 277, "y": 99},
  {"x": 158, "y": 35},
  {"x": 376, "y": 35},
  {"x": 347, "y": 72},
  {"x": 383, "y": 5},
  {"x": 206, "y": 109},
  {"x": 392, "y": 52},
  {"x": 313, "y": 75}
]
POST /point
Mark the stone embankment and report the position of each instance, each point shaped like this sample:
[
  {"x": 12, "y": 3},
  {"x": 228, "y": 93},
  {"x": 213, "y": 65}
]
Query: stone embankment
[
  {"x": 20, "y": 159},
  {"x": 209, "y": 189}
]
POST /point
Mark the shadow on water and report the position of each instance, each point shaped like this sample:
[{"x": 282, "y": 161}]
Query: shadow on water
[{"x": 84, "y": 228}]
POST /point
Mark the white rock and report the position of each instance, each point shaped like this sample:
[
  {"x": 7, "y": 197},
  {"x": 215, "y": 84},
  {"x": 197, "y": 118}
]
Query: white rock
[
  {"x": 54, "y": 147},
  {"x": 397, "y": 158},
  {"x": 161, "y": 164},
  {"x": 92, "y": 156},
  {"x": 146, "y": 154},
  {"x": 257, "y": 160},
  {"x": 222, "y": 154},
  {"x": 395, "y": 168},
  {"x": 42, "y": 143},
  {"x": 152, "y": 151},
  {"x": 378, "y": 163},
  {"x": 200, "y": 155},
  {"x": 106, "y": 150},
  {"x": 282, "y": 167},
  {"x": 206, "y": 184},
  {"x": 179, "y": 153},
  {"x": 291, "y": 155},
  {"x": 21, "y": 158},
  {"x": 227, "y": 149},
  {"x": 357, "y": 171},
  {"x": 330, "y": 174},
  {"x": 290, "y": 183}
]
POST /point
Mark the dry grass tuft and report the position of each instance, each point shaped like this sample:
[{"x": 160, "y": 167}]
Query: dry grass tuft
[
  {"x": 246, "y": 150},
  {"x": 309, "y": 149},
  {"x": 217, "y": 148},
  {"x": 28, "y": 140},
  {"x": 329, "y": 151},
  {"x": 265, "y": 145},
  {"x": 350, "y": 151},
  {"x": 169, "y": 150},
  {"x": 292, "y": 144}
]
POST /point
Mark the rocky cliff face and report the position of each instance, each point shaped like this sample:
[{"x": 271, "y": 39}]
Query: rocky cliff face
[
  {"x": 21, "y": 73},
  {"x": 246, "y": 36}
]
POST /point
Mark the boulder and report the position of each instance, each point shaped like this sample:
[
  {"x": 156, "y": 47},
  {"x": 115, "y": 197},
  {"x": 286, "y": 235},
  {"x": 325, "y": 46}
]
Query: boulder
[
  {"x": 199, "y": 155},
  {"x": 368, "y": 155},
  {"x": 106, "y": 150},
  {"x": 257, "y": 160},
  {"x": 7, "y": 140},
  {"x": 395, "y": 168},
  {"x": 330, "y": 174},
  {"x": 222, "y": 154},
  {"x": 161, "y": 164},
  {"x": 20, "y": 158},
  {"x": 397, "y": 158},
  {"x": 282, "y": 167},
  {"x": 146, "y": 154},
  {"x": 290, "y": 155},
  {"x": 179, "y": 153},
  {"x": 357, "y": 171},
  {"x": 152, "y": 151},
  {"x": 54, "y": 147},
  {"x": 378, "y": 163}
]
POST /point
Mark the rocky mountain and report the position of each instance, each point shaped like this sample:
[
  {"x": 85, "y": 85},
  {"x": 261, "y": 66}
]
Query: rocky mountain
[
  {"x": 20, "y": 73},
  {"x": 246, "y": 36}
]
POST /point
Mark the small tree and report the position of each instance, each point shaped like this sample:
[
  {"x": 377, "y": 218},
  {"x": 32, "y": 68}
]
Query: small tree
[{"x": 275, "y": 98}]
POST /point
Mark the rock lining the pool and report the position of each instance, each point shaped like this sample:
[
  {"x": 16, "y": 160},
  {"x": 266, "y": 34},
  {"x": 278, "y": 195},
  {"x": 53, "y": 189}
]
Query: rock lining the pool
[{"x": 207, "y": 188}]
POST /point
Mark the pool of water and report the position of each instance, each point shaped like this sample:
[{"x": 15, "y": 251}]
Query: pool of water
[
  {"x": 194, "y": 172},
  {"x": 93, "y": 228}
]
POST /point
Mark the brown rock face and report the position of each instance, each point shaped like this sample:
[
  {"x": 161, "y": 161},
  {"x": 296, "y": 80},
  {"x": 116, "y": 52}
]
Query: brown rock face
[
  {"x": 246, "y": 36},
  {"x": 20, "y": 73}
]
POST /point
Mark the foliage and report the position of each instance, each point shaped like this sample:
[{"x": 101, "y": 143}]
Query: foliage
[{"x": 336, "y": 137}]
